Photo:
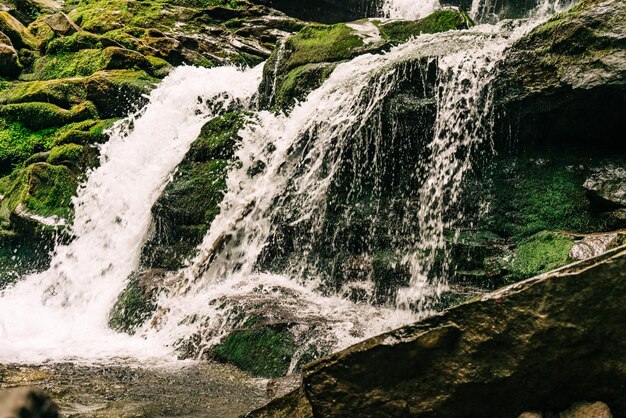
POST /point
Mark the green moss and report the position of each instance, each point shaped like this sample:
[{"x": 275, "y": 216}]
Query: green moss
[
  {"x": 37, "y": 115},
  {"x": 191, "y": 201},
  {"x": 64, "y": 92},
  {"x": 439, "y": 21},
  {"x": 70, "y": 155},
  {"x": 17, "y": 143},
  {"x": 540, "y": 253},
  {"x": 71, "y": 64},
  {"x": 77, "y": 42},
  {"x": 217, "y": 137},
  {"x": 42, "y": 189},
  {"x": 83, "y": 133},
  {"x": 301, "y": 81},
  {"x": 100, "y": 16},
  {"x": 261, "y": 351},
  {"x": 133, "y": 308},
  {"x": 533, "y": 196},
  {"x": 315, "y": 44}
]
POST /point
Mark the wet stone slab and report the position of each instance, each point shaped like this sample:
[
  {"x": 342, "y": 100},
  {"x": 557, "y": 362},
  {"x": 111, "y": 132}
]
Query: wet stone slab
[{"x": 189, "y": 390}]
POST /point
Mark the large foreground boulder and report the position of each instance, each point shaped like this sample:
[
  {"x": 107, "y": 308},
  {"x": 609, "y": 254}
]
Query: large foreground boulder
[{"x": 541, "y": 345}]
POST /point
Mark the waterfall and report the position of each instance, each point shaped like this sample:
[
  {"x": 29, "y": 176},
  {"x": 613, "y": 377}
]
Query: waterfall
[
  {"x": 302, "y": 155},
  {"x": 63, "y": 311},
  {"x": 409, "y": 9},
  {"x": 262, "y": 251}
]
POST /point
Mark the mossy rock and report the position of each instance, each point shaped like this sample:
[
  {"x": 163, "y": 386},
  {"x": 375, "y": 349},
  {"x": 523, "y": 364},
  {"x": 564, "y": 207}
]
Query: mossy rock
[
  {"x": 86, "y": 62},
  {"x": 39, "y": 115},
  {"x": 299, "y": 82},
  {"x": 137, "y": 302},
  {"x": 17, "y": 32},
  {"x": 262, "y": 351},
  {"x": 540, "y": 253},
  {"x": 17, "y": 143},
  {"x": 79, "y": 41},
  {"x": 536, "y": 194},
  {"x": 114, "y": 92},
  {"x": 438, "y": 21},
  {"x": 41, "y": 189},
  {"x": 188, "y": 205},
  {"x": 308, "y": 58}
]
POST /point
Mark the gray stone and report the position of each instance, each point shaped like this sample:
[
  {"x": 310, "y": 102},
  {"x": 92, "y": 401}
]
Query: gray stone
[
  {"x": 593, "y": 246},
  {"x": 61, "y": 24},
  {"x": 608, "y": 184}
]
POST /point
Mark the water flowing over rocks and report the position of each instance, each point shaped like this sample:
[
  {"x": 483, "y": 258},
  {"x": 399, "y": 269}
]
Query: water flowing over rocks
[
  {"x": 540, "y": 344},
  {"x": 372, "y": 173}
]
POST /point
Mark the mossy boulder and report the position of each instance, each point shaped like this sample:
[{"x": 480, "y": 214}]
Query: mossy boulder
[
  {"x": 263, "y": 351},
  {"x": 17, "y": 32},
  {"x": 40, "y": 189},
  {"x": 39, "y": 115},
  {"x": 307, "y": 58},
  {"x": 188, "y": 205},
  {"x": 540, "y": 253},
  {"x": 137, "y": 302},
  {"x": 438, "y": 21},
  {"x": 553, "y": 76},
  {"x": 9, "y": 60}
]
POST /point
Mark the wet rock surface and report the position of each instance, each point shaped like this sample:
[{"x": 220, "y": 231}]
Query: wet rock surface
[
  {"x": 553, "y": 76},
  {"x": 550, "y": 340},
  {"x": 193, "y": 390}
]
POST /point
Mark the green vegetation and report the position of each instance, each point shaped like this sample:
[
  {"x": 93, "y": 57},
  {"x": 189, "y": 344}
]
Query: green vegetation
[
  {"x": 133, "y": 307},
  {"x": 262, "y": 351},
  {"x": 540, "y": 253},
  {"x": 439, "y": 21},
  {"x": 41, "y": 189},
  {"x": 17, "y": 143},
  {"x": 38, "y": 115},
  {"x": 542, "y": 195},
  {"x": 191, "y": 201},
  {"x": 315, "y": 44}
]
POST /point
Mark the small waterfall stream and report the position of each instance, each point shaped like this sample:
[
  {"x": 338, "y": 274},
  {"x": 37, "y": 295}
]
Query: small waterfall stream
[{"x": 62, "y": 313}]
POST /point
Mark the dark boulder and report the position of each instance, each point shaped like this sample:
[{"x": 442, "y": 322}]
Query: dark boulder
[
  {"x": 27, "y": 403},
  {"x": 541, "y": 344},
  {"x": 565, "y": 82}
]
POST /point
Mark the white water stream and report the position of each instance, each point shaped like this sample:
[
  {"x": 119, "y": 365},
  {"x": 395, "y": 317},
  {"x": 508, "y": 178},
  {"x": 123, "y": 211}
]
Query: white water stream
[{"x": 62, "y": 313}]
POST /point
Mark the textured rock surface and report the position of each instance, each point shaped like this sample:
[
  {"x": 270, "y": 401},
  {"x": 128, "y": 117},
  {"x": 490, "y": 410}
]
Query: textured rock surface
[
  {"x": 550, "y": 341},
  {"x": 553, "y": 77}
]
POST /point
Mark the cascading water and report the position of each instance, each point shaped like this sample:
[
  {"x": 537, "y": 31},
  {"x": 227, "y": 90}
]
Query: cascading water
[
  {"x": 409, "y": 9},
  {"x": 63, "y": 311},
  {"x": 263, "y": 249}
]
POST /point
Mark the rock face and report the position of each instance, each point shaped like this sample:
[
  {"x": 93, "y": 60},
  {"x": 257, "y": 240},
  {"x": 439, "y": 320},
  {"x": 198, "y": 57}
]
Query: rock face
[
  {"x": 27, "y": 402},
  {"x": 541, "y": 344},
  {"x": 302, "y": 62},
  {"x": 554, "y": 76}
]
